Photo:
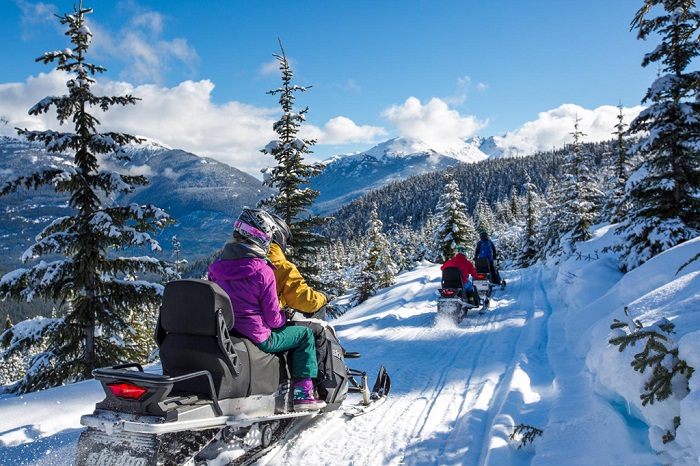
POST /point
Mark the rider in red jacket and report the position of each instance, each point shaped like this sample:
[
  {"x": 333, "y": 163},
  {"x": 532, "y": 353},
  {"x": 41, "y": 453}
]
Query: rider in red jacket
[{"x": 462, "y": 263}]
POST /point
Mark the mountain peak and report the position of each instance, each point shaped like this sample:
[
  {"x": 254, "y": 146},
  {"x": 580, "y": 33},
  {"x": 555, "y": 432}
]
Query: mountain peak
[{"x": 405, "y": 148}]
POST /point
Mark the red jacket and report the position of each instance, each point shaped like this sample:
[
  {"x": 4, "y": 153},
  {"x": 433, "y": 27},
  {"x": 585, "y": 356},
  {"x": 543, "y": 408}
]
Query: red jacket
[{"x": 462, "y": 263}]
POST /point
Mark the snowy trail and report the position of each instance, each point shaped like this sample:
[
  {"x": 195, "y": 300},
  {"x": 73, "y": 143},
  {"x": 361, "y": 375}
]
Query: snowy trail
[
  {"x": 540, "y": 357},
  {"x": 459, "y": 392}
]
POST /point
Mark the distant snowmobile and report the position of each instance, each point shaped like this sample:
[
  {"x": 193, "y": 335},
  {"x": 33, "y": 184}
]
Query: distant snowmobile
[
  {"x": 453, "y": 301},
  {"x": 218, "y": 392},
  {"x": 483, "y": 283}
]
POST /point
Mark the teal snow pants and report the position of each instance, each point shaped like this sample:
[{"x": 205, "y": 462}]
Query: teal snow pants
[{"x": 299, "y": 340}]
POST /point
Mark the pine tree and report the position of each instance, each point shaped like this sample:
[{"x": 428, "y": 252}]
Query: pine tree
[
  {"x": 581, "y": 196},
  {"x": 427, "y": 248},
  {"x": 549, "y": 224},
  {"x": 404, "y": 246},
  {"x": 292, "y": 201},
  {"x": 621, "y": 169},
  {"x": 100, "y": 288},
  {"x": 179, "y": 264},
  {"x": 515, "y": 207},
  {"x": 484, "y": 216},
  {"x": 660, "y": 353},
  {"x": 454, "y": 227},
  {"x": 377, "y": 269},
  {"x": 663, "y": 192},
  {"x": 532, "y": 210}
]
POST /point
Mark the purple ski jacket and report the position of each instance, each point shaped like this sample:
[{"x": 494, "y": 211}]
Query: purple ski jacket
[{"x": 250, "y": 283}]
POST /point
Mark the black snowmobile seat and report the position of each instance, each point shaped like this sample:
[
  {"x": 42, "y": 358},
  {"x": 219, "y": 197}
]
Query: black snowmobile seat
[
  {"x": 452, "y": 278},
  {"x": 482, "y": 265},
  {"x": 193, "y": 335}
]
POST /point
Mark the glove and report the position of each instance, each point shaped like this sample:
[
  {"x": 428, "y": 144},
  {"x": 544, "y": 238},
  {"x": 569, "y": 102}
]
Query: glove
[{"x": 290, "y": 313}]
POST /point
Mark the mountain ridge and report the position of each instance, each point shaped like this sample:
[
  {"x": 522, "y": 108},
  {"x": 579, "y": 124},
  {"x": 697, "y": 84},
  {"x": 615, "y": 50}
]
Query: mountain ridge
[
  {"x": 204, "y": 195},
  {"x": 398, "y": 159}
]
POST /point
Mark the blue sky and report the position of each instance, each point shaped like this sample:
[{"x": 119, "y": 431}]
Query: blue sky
[{"x": 378, "y": 69}]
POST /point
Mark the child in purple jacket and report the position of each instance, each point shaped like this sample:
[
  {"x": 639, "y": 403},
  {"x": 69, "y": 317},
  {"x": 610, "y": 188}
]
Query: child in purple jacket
[{"x": 246, "y": 276}]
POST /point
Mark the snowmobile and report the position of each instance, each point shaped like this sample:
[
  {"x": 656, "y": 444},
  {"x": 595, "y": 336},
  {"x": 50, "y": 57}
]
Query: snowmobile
[
  {"x": 453, "y": 301},
  {"x": 483, "y": 282},
  {"x": 217, "y": 391}
]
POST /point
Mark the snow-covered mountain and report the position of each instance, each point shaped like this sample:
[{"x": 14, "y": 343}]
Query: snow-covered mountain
[
  {"x": 204, "y": 195},
  {"x": 347, "y": 177},
  {"x": 508, "y": 145},
  {"x": 350, "y": 176},
  {"x": 540, "y": 357},
  {"x": 403, "y": 148}
]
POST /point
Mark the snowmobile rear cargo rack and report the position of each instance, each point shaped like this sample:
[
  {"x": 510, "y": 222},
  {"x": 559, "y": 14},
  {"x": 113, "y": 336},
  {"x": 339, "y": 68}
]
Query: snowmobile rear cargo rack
[{"x": 157, "y": 388}]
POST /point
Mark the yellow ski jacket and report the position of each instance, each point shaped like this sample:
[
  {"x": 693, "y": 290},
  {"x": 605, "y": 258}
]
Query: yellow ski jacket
[{"x": 292, "y": 289}]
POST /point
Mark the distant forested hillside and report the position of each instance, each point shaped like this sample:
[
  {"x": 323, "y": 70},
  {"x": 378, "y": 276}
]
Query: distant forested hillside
[{"x": 492, "y": 180}]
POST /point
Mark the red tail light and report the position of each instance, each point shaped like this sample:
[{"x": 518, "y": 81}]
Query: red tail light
[
  {"x": 480, "y": 276},
  {"x": 448, "y": 292},
  {"x": 126, "y": 390}
]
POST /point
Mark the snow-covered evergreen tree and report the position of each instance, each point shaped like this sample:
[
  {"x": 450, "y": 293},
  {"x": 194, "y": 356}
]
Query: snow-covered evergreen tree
[
  {"x": 618, "y": 206},
  {"x": 377, "y": 269},
  {"x": 529, "y": 225},
  {"x": 581, "y": 197},
  {"x": 335, "y": 271},
  {"x": 484, "y": 218},
  {"x": 100, "y": 286},
  {"x": 454, "y": 226},
  {"x": 549, "y": 224},
  {"x": 516, "y": 208},
  {"x": 292, "y": 200},
  {"x": 178, "y": 263},
  {"x": 664, "y": 192},
  {"x": 660, "y": 354},
  {"x": 571, "y": 206},
  {"x": 427, "y": 248},
  {"x": 404, "y": 246}
]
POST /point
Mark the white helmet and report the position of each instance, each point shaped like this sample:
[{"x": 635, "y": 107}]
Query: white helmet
[{"x": 256, "y": 226}]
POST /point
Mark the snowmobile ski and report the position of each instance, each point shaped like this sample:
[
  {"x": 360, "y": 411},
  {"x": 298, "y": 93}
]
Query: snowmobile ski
[
  {"x": 360, "y": 408},
  {"x": 371, "y": 400}
]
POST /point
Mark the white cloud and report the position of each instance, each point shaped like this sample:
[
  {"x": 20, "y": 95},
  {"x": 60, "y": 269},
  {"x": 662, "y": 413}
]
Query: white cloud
[
  {"x": 434, "y": 123},
  {"x": 342, "y": 130},
  {"x": 35, "y": 14},
  {"x": 271, "y": 68},
  {"x": 184, "y": 117},
  {"x": 553, "y": 128},
  {"x": 170, "y": 173},
  {"x": 141, "y": 47},
  {"x": 463, "y": 88}
]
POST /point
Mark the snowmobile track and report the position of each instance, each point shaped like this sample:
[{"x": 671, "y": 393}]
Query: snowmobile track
[{"x": 465, "y": 393}]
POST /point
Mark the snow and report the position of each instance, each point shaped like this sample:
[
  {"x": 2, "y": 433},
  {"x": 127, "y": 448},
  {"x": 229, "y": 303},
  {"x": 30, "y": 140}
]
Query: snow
[{"x": 539, "y": 357}]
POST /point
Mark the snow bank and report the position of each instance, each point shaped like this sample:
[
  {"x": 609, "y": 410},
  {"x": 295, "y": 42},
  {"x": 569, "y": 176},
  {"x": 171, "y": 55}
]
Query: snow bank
[
  {"x": 688, "y": 433},
  {"x": 651, "y": 292}
]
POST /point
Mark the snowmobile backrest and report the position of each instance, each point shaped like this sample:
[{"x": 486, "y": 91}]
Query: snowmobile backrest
[
  {"x": 482, "y": 265},
  {"x": 452, "y": 278},
  {"x": 193, "y": 335},
  {"x": 190, "y": 305}
]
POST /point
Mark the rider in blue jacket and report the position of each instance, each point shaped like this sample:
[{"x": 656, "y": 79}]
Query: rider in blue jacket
[{"x": 487, "y": 250}]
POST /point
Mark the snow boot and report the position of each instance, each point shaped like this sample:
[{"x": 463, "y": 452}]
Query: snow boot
[{"x": 304, "y": 399}]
